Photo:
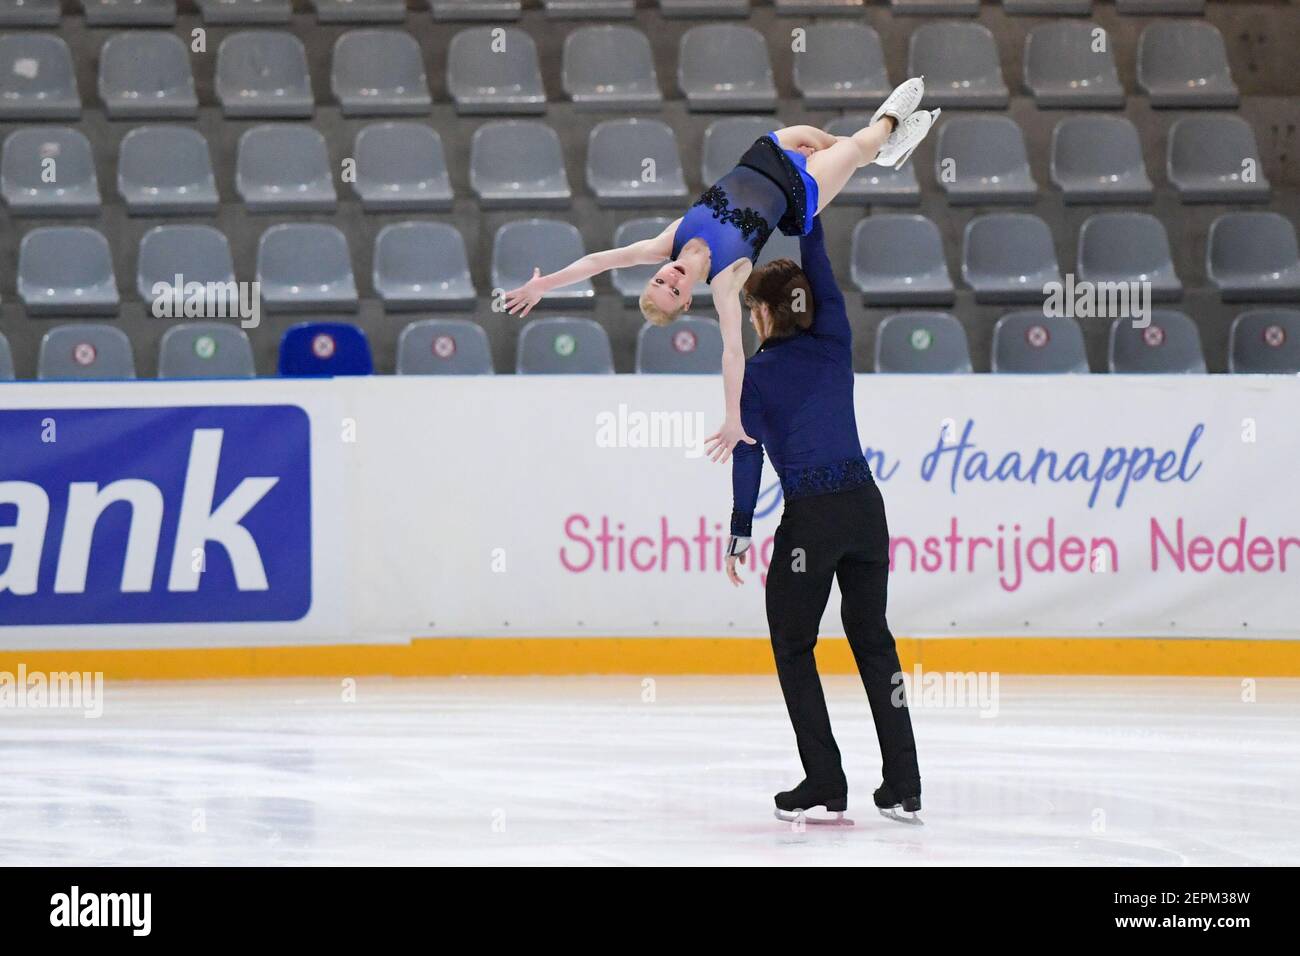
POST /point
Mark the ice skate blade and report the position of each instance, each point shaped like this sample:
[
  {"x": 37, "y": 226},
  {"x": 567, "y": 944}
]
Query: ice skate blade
[
  {"x": 839, "y": 820},
  {"x": 900, "y": 816}
]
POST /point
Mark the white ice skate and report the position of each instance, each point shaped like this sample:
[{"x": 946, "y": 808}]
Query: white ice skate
[
  {"x": 801, "y": 817},
  {"x": 901, "y": 103},
  {"x": 903, "y": 141}
]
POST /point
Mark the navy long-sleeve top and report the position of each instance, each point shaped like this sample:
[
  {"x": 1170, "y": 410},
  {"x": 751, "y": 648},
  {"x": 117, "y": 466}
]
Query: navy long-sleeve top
[{"x": 797, "y": 402}]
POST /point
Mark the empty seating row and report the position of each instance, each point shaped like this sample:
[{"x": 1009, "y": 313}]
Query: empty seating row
[
  {"x": 168, "y": 170},
  {"x": 840, "y": 65},
  {"x": 1010, "y": 257},
  {"x": 1006, "y": 257},
  {"x": 1264, "y": 341},
  {"x": 163, "y": 12}
]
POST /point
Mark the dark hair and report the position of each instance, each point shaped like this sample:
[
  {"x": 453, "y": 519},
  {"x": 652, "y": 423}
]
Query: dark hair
[{"x": 781, "y": 286}]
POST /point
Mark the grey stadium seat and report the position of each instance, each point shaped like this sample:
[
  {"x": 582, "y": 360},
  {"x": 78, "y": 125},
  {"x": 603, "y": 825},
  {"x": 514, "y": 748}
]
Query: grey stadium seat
[
  {"x": 722, "y": 66},
  {"x": 1185, "y": 64},
  {"x": 780, "y": 246},
  {"x": 518, "y": 163},
  {"x": 922, "y": 342},
  {"x": 1128, "y": 247},
  {"x": 401, "y": 166},
  {"x": 1008, "y": 257},
  {"x": 630, "y": 282},
  {"x": 564, "y": 346},
  {"x": 66, "y": 270},
  {"x": 245, "y": 11},
  {"x": 283, "y": 167},
  {"x": 485, "y": 76},
  {"x": 610, "y": 68},
  {"x": 872, "y": 184},
  {"x": 725, "y": 141},
  {"x": 146, "y": 74},
  {"x": 1215, "y": 159},
  {"x": 379, "y": 73},
  {"x": 939, "y": 8},
  {"x": 6, "y": 358},
  {"x": 960, "y": 64},
  {"x": 70, "y": 189},
  {"x": 263, "y": 73},
  {"x": 422, "y": 265},
  {"x": 37, "y": 80},
  {"x": 1169, "y": 344},
  {"x": 898, "y": 260},
  {"x": 360, "y": 11},
  {"x": 1265, "y": 342},
  {"x": 813, "y": 8},
  {"x": 688, "y": 345},
  {"x": 1251, "y": 257},
  {"x": 1156, "y": 7},
  {"x": 982, "y": 160},
  {"x": 30, "y": 13},
  {"x": 129, "y": 13},
  {"x": 305, "y": 267},
  {"x": 497, "y": 10},
  {"x": 710, "y": 9},
  {"x": 1098, "y": 159},
  {"x": 166, "y": 170},
  {"x": 547, "y": 244},
  {"x": 85, "y": 352},
  {"x": 205, "y": 350},
  {"x": 1047, "y": 8},
  {"x": 842, "y": 66},
  {"x": 617, "y": 171},
  {"x": 1065, "y": 67},
  {"x": 588, "y": 9},
  {"x": 1030, "y": 343},
  {"x": 198, "y": 254},
  {"x": 443, "y": 347}
]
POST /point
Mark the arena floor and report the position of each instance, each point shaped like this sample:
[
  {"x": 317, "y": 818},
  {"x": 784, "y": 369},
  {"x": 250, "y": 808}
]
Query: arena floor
[{"x": 617, "y": 771}]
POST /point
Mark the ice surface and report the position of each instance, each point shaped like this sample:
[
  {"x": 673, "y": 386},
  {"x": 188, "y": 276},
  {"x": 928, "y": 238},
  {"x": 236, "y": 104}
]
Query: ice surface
[{"x": 613, "y": 770}]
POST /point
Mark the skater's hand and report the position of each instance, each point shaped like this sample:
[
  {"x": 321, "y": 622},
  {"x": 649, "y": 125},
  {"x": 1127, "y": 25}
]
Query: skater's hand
[
  {"x": 718, "y": 446},
  {"x": 526, "y": 296},
  {"x": 732, "y": 576}
]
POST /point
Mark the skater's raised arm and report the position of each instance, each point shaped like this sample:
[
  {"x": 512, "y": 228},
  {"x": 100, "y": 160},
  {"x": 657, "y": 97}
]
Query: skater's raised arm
[
  {"x": 726, "y": 299},
  {"x": 829, "y": 316},
  {"x": 643, "y": 253}
]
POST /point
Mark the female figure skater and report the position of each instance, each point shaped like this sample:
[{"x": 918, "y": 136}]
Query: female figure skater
[
  {"x": 797, "y": 402},
  {"x": 782, "y": 181}
]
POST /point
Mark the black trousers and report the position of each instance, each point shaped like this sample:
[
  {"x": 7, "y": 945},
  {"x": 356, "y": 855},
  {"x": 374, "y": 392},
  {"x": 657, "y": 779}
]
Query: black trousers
[{"x": 821, "y": 538}]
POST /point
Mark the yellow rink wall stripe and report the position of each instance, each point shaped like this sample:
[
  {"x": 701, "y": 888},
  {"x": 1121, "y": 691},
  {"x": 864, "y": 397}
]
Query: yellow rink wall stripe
[{"x": 678, "y": 655}]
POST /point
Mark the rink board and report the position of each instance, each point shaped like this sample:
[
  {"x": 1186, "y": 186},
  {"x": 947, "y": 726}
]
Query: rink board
[{"x": 1081, "y": 524}]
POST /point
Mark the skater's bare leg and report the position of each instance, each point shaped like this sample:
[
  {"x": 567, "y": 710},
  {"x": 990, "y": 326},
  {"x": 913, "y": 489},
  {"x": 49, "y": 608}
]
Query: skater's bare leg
[{"x": 834, "y": 166}]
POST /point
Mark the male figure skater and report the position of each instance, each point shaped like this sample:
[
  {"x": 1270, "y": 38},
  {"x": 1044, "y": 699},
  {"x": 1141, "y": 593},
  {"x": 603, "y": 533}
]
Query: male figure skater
[{"x": 797, "y": 403}]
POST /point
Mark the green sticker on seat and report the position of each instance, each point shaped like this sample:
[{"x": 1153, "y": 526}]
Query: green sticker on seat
[
  {"x": 565, "y": 345},
  {"x": 205, "y": 346},
  {"x": 921, "y": 339}
]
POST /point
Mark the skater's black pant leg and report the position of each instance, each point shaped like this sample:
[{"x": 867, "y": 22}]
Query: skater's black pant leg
[
  {"x": 864, "y": 588},
  {"x": 798, "y": 584},
  {"x": 862, "y": 609}
]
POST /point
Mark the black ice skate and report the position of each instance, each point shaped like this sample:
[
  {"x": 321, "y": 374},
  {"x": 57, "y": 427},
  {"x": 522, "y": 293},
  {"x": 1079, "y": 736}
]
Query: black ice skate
[
  {"x": 890, "y": 804},
  {"x": 792, "y": 805}
]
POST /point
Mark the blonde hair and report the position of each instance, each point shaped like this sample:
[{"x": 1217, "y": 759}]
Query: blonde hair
[{"x": 655, "y": 315}]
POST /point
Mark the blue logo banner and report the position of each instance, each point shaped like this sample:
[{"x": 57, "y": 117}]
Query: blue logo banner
[{"x": 155, "y": 515}]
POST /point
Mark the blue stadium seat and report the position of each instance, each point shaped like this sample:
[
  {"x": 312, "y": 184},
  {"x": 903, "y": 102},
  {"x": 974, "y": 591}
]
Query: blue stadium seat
[{"x": 313, "y": 349}]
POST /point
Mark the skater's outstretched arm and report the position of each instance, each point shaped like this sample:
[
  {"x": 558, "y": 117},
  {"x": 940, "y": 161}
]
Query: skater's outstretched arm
[
  {"x": 829, "y": 316},
  {"x": 643, "y": 253},
  {"x": 746, "y": 474},
  {"x": 726, "y": 288}
]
